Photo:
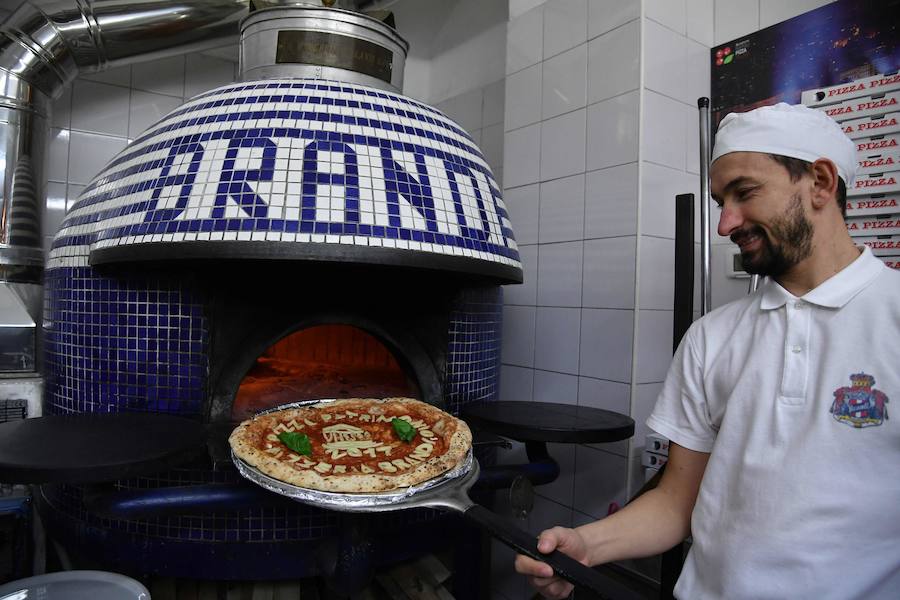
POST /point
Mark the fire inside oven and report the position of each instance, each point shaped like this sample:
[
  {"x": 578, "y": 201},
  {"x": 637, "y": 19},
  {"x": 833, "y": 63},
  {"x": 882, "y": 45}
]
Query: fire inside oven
[{"x": 324, "y": 361}]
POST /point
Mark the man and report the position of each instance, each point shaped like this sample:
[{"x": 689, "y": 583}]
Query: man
[{"x": 784, "y": 465}]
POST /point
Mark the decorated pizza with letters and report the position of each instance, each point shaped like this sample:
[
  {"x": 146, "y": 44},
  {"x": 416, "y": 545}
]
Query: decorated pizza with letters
[{"x": 355, "y": 445}]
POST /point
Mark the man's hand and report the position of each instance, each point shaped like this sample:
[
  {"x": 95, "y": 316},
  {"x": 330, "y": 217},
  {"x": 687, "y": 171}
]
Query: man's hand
[{"x": 540, "y": 575}]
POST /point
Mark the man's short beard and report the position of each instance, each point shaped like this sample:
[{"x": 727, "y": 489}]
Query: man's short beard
[{"x": 794, "y": 233}]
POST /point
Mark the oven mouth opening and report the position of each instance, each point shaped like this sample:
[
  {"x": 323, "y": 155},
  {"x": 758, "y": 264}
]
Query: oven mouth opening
[{"x": 322, "y": 361}]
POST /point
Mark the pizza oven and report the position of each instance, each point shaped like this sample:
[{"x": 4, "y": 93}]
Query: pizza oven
[{"x": 307, "y": 232}]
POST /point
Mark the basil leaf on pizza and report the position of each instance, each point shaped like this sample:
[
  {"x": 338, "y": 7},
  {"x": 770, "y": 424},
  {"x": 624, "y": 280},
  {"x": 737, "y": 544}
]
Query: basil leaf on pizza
[{"x": 354, "y": 445}]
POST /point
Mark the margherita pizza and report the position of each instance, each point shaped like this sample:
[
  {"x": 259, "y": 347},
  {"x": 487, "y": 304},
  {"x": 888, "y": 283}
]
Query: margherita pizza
[{"x": 355, "y": 445}]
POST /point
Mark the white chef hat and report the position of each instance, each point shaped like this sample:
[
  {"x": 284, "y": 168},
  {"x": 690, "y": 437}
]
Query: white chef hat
[{"x": 795, "y": 131}]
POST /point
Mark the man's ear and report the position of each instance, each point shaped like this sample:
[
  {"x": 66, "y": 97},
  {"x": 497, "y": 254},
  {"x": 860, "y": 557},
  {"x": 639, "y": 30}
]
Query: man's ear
[{"x": 825, "y": 183}]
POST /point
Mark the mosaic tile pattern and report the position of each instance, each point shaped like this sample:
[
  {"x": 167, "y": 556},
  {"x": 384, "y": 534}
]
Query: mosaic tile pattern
[{"x": 296, "y": 162}]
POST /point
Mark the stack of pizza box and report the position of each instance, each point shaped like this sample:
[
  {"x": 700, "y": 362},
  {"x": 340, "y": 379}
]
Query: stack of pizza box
[{"x": 868, "y": 110}]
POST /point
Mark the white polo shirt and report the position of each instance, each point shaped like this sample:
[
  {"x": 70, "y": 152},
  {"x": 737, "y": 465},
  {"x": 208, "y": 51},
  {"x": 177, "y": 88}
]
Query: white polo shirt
[{"x": 801, "y": 495}]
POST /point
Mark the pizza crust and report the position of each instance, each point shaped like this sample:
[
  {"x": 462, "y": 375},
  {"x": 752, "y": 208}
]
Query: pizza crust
[{"x": 352, "y": 434}]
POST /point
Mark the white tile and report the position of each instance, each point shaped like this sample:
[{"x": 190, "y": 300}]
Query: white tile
[
  {"x": 162, "y": 76},
  {"x": 120, "y": 76},
  {"x": 670, "y": 13},
  {"x": 699, "y": 17},
  {"x": 611, "y": 199},
  {"x": 492, "y": 145},
  {"x": 556, "y": 388},
  {"x": 525, "y": 293},
  {"x": 556, "y": 339},
  {"x": 561, "y": 490},
  {"x": 609, "y": 266},
  {"x": 89, "y": 153},
  {"x": 600, "y": 481},
  {"x": 606, "y": 342},
  {"x": 61, "y": 109},
  {"x": 522, "y": 156},
  {"x": 148, "y": 108},
  {"x": 734, "y": 19},
  {"x": 548, "y": 514},
  {"x": 559, "y": 274},
  {"x": 665, "y": 61},
  {"x": 562, "y": 145},
  {"x": 475, "y": 134},
  {"x": 523, "y": 97},
  {"x": 772, "y": 12},
  {"x": 58, "y": 155},
  {"x": 516, "y": 383},
  {"x": 657, "y": 273},
  {"x": 606, "y": 395},
  {"x": 642, "y": 407},
  {"x": 565, "y": 25},
  {"x": 654, "y": 345},
  {"x": 612, "y": 137},
  {"x": 465, "y": 109},
  {"x": 605, "y": 15},
  {"x": 562, "y": 210},
  {"x": 523, "y": 206},
  {"x": 492, "y": 110},
  {"x": 203, "y": 73},
  {"x": 564, "y": 82},
  {"x": 697, "y": 71},
  {"x": 73, "y": 191},
  {"x": 724, "y": 289},
  {"x": 518, "y": 336},
  {"x": 614, "y": 62},
  {"x": 55, "y": 208},
  {"x": 664, "y": 135},
  {"x": 100, "y": 108},
  {"x": 525, "y": 40},
  {"x": 659, "y": 186}
]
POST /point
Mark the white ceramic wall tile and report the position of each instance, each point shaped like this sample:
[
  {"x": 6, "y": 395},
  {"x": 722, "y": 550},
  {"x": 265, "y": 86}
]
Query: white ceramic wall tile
[
  {"x": 100, "y": 108},
  {"x": 55, "y": 209},
  {"x": 614, "y": 62},
  {"x": 772, "y": 12},
  {"x": 58, "y": 155},
  {"x": 611, "y": 198},
  {"x": 516, "y": 383},
  {"x": 523, "y": 206},
  {"x": 492, "y": 110},
  {"x": 606, "y": 342},
  {"x": 506, "y": 584},
  {"x": 162, "y": 76},
  {"x": 698, "y": 62},
  {"x": 147, "y": 108},
  {"x": 89, "y": 153},
  {"x": 562, "y": 145},
  {"x": 561, "y": 490},
  {"x": 612, "y": 131},
  {"x": 659, "y": 186},
  {"x": 525, "y": 293},
  {"x": 724, "y": 289},
  {"x": 605, "y": 15},
  {"x": 559, "y": 275},
  {"x": 664, "y": 131},
  {"x": 547, "y": 514},
  {"x": 600, "y": 481},
  {"x": 556, "y": 339},
  {"x": 475, "y": 134},
  {"x": 62, "y": 109},
  {"x": 606, "y": 395},
  {"x": 642, "y": 407},
  {"x": 734, "y": 18},
  {"x": 491, "y": 144},
  {"x": 557, "y": 388},
  {"x": 203, "y": 73},
  {"x": 73, "y": 191},
  {"x": 654, "y": 345},
  {"x": 562, "y": 209},
  {"x": 525, "y": 40},
  {"x": 522, "y": 156},
  {"x": 523, "y": 97},
  {"x": 665, "y": 61},
  {"x": 670, "y": 13},
  {"x": 657, "y": 273},
  {"x": 565, "y": 25},
  {"x": 518, "y": 336},
  {"x": 564, "y": 82},
  {"x": 609, "y": 265},
  {"x": 699, "y": 18},
  {"x": 119, "y": 76},
  {"x": 465, "y": 109}
]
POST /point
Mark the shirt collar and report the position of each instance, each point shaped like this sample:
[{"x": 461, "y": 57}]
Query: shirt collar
[{"x": 835, "y": 291}]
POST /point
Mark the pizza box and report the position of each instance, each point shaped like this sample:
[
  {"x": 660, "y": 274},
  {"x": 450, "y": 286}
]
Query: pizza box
[
  {"x": 876, "y": 183},
  {"x": 853, "y": 89},
  {"x": 864, "y": 106},
  {"x": 881, "y": 162},
  {"x": 877, "y": 144},
  {"x": 874, "y": 225},
  {"x": 876, "y": 204},
  {"x": 892, "y": 263},
  {"x": 869, "y": 126},
  {"x": 882, "y": 246}
]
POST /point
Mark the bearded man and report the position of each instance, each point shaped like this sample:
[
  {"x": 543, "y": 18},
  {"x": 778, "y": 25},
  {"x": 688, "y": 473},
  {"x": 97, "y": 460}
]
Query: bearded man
[{"x": 783, "y": 464}]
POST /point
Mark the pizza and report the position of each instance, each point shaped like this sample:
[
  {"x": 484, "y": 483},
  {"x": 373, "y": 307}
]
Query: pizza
[{"x": 355, "y": 445}]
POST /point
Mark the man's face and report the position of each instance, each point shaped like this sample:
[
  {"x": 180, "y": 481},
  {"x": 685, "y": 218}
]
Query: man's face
[{"x": 762, "y": 212}]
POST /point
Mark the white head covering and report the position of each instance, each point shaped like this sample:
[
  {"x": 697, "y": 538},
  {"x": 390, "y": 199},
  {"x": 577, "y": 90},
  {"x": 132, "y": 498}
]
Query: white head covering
[{"x": 795, "y": 131}]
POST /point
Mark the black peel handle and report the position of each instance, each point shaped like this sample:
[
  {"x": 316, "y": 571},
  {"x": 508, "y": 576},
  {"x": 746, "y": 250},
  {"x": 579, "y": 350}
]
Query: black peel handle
[{"x": 564, "y": 566}]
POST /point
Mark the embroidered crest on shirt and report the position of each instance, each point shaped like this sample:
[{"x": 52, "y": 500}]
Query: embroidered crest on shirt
[{"x": 860, "y": 404}]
